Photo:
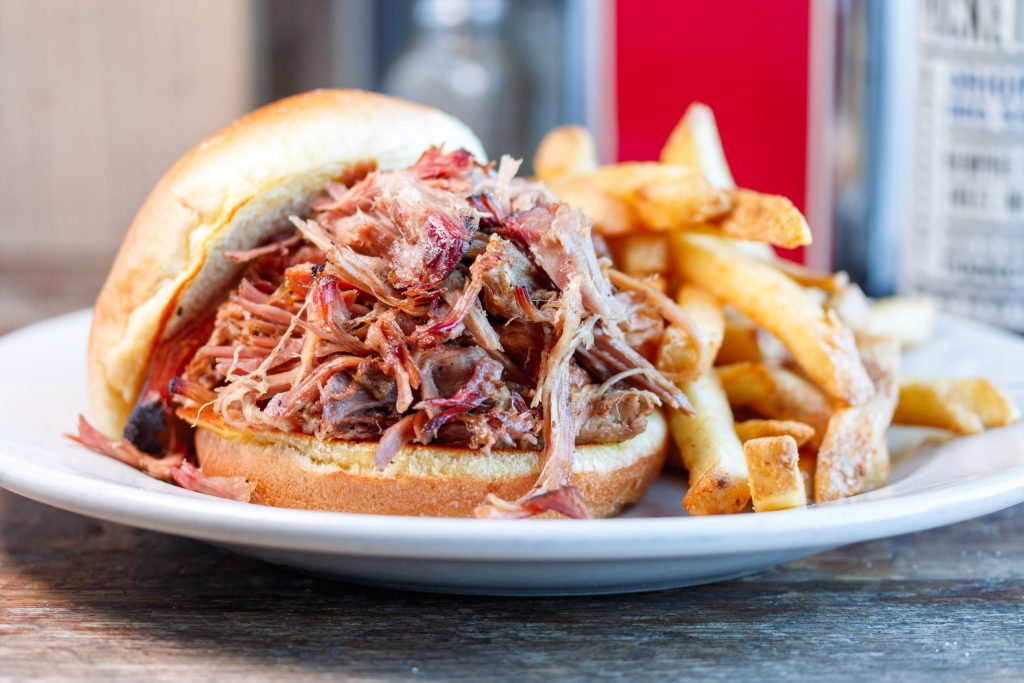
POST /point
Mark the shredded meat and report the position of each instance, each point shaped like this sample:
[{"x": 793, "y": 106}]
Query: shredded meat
[
  {"x": 512, "y": 270},
  {"x": 126, "y": 452},
  {"x": 188, "y": 476},
  {"x": 561, "y": 424},
  {"x": 449, "y": 302},
  {"x": 617, "y": 416},
  {"x": 559, "y": 239},
  {"x": 172, "y": 467},
  {"x": 460, "y": 307},
  {"x": 610, "y": 356},
  {"x": 524, "y": 342}
]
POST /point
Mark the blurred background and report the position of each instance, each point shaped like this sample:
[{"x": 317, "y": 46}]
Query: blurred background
[{"x": 896, "y": 126}]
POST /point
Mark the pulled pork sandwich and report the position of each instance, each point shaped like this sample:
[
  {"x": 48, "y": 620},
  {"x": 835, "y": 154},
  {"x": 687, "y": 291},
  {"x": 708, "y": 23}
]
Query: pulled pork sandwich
[{"x": 337, "y": 304}]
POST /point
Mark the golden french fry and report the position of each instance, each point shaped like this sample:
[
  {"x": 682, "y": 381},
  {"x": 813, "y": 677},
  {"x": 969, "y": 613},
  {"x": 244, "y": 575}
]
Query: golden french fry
[
  {"x": 664, "y": 197},
  {"x": 740, "y": 342},
  {"x": 761, "y": 250},
  {"x": 963, "y": 406},
  {"x": 850, "y": 443},
  {"x": 762, "y": 218},
  {"x": 677, "y": 353},
  {"x": 936, "y": 403},
  {"x": 878, "y": 465},
  {"x": 695, "y": 143},
  {"x": 611, "y": 216},
  {"x": 850, "y": 305},
  {"x": 710, "y": 450},
  {"x": 565, "y": 152},
  {"x": 756, "y": 429},
  {"x": 808, "y": 463},
  {"x": 989, "y": 402},
  {"x": 854, "y": 454},
  {"x": 775, "y": 480},
  {"x": 642, "y": 254},
  {"x": 819, "y": 342},
  {"x": 665, "y": 204},
  {"x": 745, "y": 341},
  {"x": 828, "y": 282},
  {"x": 776, "y": 393},
  {"x": 909, "y": 320}
]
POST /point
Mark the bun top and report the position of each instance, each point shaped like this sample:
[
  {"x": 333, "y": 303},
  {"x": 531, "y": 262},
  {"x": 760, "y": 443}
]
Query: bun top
[{"x": 230, "y": 193}]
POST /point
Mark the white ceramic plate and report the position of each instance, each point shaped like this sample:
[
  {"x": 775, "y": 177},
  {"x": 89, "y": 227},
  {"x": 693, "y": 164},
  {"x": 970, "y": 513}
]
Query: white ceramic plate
[{"x": 653, "y": 546}]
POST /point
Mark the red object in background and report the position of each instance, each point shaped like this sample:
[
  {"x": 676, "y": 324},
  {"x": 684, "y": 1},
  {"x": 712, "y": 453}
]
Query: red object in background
[{"x": 746, "y": 59}]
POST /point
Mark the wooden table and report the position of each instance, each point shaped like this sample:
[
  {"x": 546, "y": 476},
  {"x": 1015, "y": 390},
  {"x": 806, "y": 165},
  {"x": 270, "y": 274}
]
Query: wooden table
[{"x": 95, "y": 601}]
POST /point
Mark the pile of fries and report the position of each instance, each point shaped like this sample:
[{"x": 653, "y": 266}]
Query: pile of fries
[{"x": 800, "y": 377}]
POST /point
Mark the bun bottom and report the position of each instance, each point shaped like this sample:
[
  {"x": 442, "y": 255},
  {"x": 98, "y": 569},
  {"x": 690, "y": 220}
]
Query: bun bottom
[{"x": 298, "y": 471}]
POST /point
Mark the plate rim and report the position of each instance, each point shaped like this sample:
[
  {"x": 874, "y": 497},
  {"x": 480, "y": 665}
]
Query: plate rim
[{"x": 217, "y": 520}]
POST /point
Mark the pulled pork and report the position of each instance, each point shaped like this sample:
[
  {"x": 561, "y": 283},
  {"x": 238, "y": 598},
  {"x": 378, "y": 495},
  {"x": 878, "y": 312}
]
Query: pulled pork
[{"x": 448, "y": 302}]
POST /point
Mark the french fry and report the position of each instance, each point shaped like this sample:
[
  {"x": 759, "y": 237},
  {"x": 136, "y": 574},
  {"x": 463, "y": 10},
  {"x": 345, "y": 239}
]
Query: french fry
[
  {"x": 756, "y": 429},
  {"x": 776, "y": 393},
  {"x": 710, "y": 450},
  {"x": 775, "y": 480},
  {"x": 878, "y": 465},
  {"x": 963, "y": 406},
  {"x": 763, "y": 218},
  {"x": 642, "y": 254},
  {"x": 745, "y": 341},
  {"x": 990, "y": 403},
  {"x": 695, "y": 143},
  {"x": 850, "y": 305},
  {"x": 808, "y": 464},
  {"x": 936, "y": 403},
  {"x": 565, "y": 152},
  {"x": 740, "y": 343},
  {"x": 761, "y": 250},
  {"x": 611, "y": 216},
  {"x": 828, "y": 282},
  {"x": 907, "y": 319},
  {"x": 663, "y": 197},
  {"x": 854, "y": 455},
  {"x": 677, "y": 354},
  {"x": 850, "y": 443},
  {"x": 820, "y": 344},
  {"x": 664, "y": 204}
]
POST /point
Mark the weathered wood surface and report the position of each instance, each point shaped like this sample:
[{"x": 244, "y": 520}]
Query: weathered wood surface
[{"x": 95, "y": 601}]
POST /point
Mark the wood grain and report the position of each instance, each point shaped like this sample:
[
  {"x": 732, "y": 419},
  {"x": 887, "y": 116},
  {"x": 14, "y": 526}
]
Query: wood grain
[{"x": 97, "y": 601}]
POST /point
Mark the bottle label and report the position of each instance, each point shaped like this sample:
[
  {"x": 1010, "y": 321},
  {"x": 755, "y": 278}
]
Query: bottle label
[{"x": 966, "y": 239}]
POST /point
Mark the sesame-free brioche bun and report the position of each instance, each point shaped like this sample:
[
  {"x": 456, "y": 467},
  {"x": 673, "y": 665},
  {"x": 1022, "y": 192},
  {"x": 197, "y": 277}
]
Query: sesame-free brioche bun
[
  {"x": 232, "y": 192},
  {"x": 298, "y": 471}
]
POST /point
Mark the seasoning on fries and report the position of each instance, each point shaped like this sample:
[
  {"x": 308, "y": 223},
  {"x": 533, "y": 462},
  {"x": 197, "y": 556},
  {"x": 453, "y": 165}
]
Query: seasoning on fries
[{"x": 775, "y": 479}]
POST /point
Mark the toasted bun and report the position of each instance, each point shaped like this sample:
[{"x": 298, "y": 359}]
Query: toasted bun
[
  {"x": 231, "y": 193},
  {"x": 299, "y": 471}
]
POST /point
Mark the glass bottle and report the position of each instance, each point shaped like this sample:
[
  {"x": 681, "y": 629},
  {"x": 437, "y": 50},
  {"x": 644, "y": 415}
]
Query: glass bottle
[{"x": 458, "y": 61}]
